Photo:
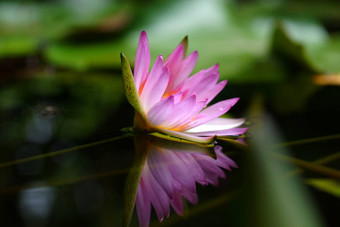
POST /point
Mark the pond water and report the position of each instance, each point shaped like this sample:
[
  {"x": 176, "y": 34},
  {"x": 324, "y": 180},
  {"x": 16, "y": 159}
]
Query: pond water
[{"x": 86, "y": 185}]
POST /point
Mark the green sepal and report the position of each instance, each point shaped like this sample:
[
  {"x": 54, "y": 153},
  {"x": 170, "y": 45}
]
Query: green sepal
[
  {"x": 129, "y": 85},
  {"x": 133, "y": 178},
  {"x": 184, "y": 42}
]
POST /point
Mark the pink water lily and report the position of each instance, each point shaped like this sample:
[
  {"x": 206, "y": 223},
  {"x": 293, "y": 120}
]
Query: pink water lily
[
  {"x": 174, "y": 103},
  {"x": 170, "y": 173}
]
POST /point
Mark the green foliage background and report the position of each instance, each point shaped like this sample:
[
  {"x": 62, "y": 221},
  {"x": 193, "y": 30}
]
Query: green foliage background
[{"x": 61, "y": 86}]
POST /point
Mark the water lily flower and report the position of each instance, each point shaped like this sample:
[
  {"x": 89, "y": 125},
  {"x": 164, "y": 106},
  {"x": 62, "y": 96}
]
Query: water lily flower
[
  {"x": 170, "y": 172},
  {"x": 168, "y": 100}
]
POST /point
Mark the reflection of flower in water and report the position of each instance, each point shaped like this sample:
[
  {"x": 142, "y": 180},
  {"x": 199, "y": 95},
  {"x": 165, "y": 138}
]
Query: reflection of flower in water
[
  {"x": 173, "y": 103},
  {"x": 171, "y": 172}
]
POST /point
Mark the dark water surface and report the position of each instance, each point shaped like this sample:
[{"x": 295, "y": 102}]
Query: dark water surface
[{"x": 85, "y": 186}]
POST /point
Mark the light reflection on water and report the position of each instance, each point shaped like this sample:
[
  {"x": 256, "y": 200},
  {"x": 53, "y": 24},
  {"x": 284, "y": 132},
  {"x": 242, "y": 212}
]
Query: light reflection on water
[
  {"x": 170, "y": 172},
  {"x": 40, "y": 129},
  {"x": 36, "y": 205}
]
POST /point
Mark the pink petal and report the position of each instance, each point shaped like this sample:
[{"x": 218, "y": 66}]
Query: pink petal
[
  {"x": 188, "y": 84},
  {"x": 227, "y": 132},
  {"x": 174, "y": 61},
  {"x": 142, "y": 61},
  {"x": 212, "y": 178},
  {"x": 160, "y": 112},
  {"x": 208, "y": 164},
  {"x": 177, "y": 169},
  {"x": 222, "y": 160},
  {"x": 177, "y": 203},
  {"x": 185, "y": 69},
  {"x": 181, "y": 112},
  {"x": 211, "y": 171},
  {"x": 155, "y": 85},
  {"x": 178, "y": 97},
  {"x": 204, "y": 87},
  {"x": 203, "y": 84},
  {"x": 190, "y": 196},
  {"x": 191, "y": 163},
  {"x": 157, "y": 195},
  {"x": 215, "y": 90},
  {"x": 160, "y": 171},
  {"x": 213, "y": 112},
  {"x": 184, "y": 123},
  {"x": 218, "y": 124},
  {"x": 213, "y": 69},
  {"x": 196, "y": 79},
  {"x": 143, "y": 205},
  {"x": 241, "y": 141},
  {"x": 155, "y": 73}
]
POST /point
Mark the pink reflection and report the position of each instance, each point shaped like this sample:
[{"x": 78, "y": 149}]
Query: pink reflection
[{"x": 170, "y": 172}]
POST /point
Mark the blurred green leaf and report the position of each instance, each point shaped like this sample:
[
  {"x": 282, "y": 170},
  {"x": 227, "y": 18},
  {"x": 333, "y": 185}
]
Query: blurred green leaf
[
  {"x": 217, "y": 38},
  {"x": 53, "y": 20},
  {"x": 308, "y": 43},
  {"x": 323, "y": 10},
  {"x": 275, "y": 200},
  {"x": 212, "y": 31},
  {"x": 291, "y": 38},
  {"x": 329, "y": 186},
  {"x": 85, "y": 57},
  {"x": 17, "y": 46},
  {"x": 305, "y": 32},
  {"x": 23, "y": 26},
  {"x": 325, "y": 57}
]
